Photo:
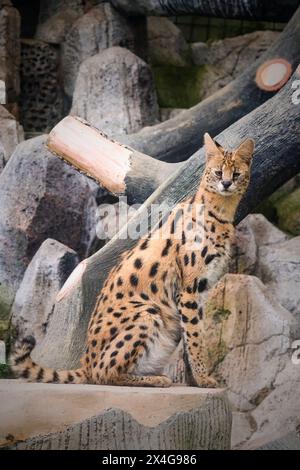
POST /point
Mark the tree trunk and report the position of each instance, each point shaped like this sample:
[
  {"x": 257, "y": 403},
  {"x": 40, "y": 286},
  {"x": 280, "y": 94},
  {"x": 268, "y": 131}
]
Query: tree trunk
[
  {"x": 95, "y": 417},
  {"x": 265, "y": 10},
  {"x": 275, "y": 128},
  {"x": 119, "y": 169},
  {"x": 178, "y": 138}
]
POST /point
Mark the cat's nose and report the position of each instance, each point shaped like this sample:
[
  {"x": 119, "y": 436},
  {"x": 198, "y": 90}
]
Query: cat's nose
[{"x": 226, "y": 184}]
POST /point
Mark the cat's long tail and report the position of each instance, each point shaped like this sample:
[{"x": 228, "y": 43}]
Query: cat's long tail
[{"x": 24, "y": 367}]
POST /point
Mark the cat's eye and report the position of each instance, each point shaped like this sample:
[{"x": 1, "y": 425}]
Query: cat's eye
[
  {"x": 236, "y": 174},
  {"x": 218, "y": 173}
]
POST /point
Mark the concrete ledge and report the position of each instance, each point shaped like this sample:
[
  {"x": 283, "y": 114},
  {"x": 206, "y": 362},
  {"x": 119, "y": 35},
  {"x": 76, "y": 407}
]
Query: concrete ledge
[{"x": 39, "y": 416}]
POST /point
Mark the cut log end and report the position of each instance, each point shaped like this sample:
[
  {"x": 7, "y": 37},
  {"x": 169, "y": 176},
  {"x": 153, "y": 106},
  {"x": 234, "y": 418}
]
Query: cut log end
[
  {"x": 92, "y": 152},
  {"x": 72, "y": 281},
  {"x": 273, "y": 74}
]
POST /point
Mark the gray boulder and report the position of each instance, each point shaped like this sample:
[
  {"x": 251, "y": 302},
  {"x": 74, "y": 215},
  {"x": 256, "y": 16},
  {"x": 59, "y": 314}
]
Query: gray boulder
[
  {"x": 115, "y": 92},
  {"x": 249, "y": 338},
  {"x": 11, "y": 133},
  {"x": 49, "y": 8},
  {"x": 35, "y": 298},
  {"x": 225, "y": 59},
  {"x": 10, "y": 51},
  {"x": 40, "y": 197},
  {"x": 100, "y": 28},
  {"x": 2, "y": 156},
  {"x": 166, "y": 43},
  {"x": 55, "y": 28},
  {"x": 274, "y": 257}
]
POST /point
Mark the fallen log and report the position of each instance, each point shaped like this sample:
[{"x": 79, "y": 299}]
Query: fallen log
[
  {"x": 121, "y": 170},
  {"x": 275, "y": 128},
  {"x": 115, "y": 418},
  {"x": 265, "y": 10},
  {"x": 178, "y": 138}
]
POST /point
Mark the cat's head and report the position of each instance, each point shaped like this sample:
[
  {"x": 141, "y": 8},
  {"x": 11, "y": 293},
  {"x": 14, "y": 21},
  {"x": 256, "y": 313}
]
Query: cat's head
[{"x": 227, "y": 172}]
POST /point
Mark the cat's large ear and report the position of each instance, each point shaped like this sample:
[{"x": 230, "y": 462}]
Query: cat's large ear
[
  {"x": 211, "y": 148},
  {"x": 245, "y": 150}
]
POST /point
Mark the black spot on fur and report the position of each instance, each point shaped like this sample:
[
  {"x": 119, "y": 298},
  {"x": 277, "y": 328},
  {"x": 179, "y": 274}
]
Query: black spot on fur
[
  {"x": 120, "y": 344},
  {"x": 153, "y": 288},
  {"x": 119, "y": 295},
  {"x": 153, "y": 270},
  {"x": 144, "y": 296},
  {"x": 166, "y": 249},
  {"x": 138, "y": 263},
  {"x": 153, "y": 311},
  {"x": 209, "y": 258},
  {"x": 119, "y": 281},
  {"x": 194, "y": 321},
  {"x": 186, "y": 260},
  {"x": 204, "y": 251},
  {"x": 144, "y": 245},
  {"x": 55, "y": 377},
  {"x": 202, "y": 285},
  {"x": 191, "y": 305},
  {"x": 94, "y": 343},
  {"x": 40, "y": 375},
  {"x": 134, "y": 280}
]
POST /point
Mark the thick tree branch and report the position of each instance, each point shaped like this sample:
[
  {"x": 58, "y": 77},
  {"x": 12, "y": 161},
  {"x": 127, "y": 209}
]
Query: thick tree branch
[
  {"x": 178, "y": 138},
  {"x": 119, "y": 169},
  {"x": 266, "y": 10}
]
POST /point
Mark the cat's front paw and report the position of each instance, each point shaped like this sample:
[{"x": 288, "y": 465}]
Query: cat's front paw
[{"x": 207, "y": 382}]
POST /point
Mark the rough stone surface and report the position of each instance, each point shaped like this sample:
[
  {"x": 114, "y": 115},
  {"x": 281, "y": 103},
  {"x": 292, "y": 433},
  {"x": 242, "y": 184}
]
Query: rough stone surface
[
  {"x": 291, "y": 441},
  {"x": 2, "y": 352},
  {"x": 227, "y": 58},
  {"x": 166, "y": 43},
  {"x": 169, "y": 113},
  {"x": 2, "y": 157},
  {"x": 55, "y": 28},
  {"x": 11, "y": 133},
  {"x": 41, "y": 99},
  {"x": 100, "y": 28},
  {"x": 115, "y": 92},
  {"x": 10, "y": 51},
  {"x": 274, "y": 257},
  {"x": 49, "y": 8},
  {"x": 288, "y": 212},
  {"x": 117, "y": 418},
  {"x": 35, "y": 298},
  {"x": 40, "y": 197},
  {"x": 249, "y": 338}
]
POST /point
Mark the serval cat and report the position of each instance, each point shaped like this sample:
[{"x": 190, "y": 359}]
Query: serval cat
[{"x": 155, "y": 295}]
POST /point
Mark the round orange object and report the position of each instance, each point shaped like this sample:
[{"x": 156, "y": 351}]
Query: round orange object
[{"x": 273, "y": 74}]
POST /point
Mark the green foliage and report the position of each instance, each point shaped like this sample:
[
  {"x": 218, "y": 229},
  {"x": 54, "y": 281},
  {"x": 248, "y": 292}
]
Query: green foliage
[
  {"x": 221, "y": 314},
  {"x": 5, "y": 372},
  {"x": 179, "y": 87}
]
